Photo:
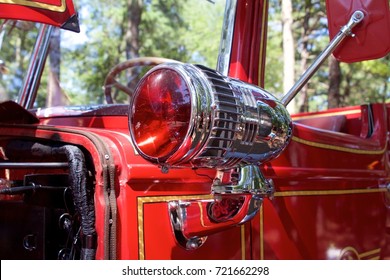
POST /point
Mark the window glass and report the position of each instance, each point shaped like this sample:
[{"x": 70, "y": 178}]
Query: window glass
[{"x": 187, "y": 31}]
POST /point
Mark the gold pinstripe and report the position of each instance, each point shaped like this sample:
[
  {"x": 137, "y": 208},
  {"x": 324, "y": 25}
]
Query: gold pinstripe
[
  {"x": 261, "y": 229},
  {"x": 243, "y": 248},
  {"x": 159, "y": 199},
  {"x": 261, "y": 56},
  {"x": 156, "y": 199},
  {"x": 372, "y": 252},
  {"x": 341, "y": 113},
  {"x": 328, "y": 192},
  {"x": 338, "y": 148},
  {"x": 372, "y": 255}
]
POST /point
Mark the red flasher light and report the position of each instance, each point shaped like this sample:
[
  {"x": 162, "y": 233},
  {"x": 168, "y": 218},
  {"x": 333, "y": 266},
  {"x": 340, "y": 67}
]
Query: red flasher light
[
  {"x": 161, "y": 114},
  {"x": 182, "y": 115}
]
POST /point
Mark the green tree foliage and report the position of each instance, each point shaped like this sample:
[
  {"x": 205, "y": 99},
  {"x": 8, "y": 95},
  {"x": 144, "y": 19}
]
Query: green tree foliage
[
  {"x": 97, "y": 49},
  {"x": 361, "y": 82},
  {"x": 274, "y": 65},
  {"x": 367, "y": 81},
  {"x": 175, "y": 29},
  {"x": 160, "y": 29},
  {"x": 15, "y": 49},
  {"x": 188, "y": 31},
  {"x": 203, "y": 34}
]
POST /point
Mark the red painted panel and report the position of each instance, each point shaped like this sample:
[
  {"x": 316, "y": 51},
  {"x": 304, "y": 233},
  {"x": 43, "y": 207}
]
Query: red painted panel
[
  {"x": 248, "y": 48},
  {"x": 53, "y": 12},
  {"x": 371, "y": 38},
  {"x": 322, "y": 226}
]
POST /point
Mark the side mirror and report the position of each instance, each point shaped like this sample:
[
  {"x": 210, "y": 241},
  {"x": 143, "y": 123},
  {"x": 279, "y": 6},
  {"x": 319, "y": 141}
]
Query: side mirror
[
  {"x": 371, "y": 38},
  {"x": 59, "y": 13}
]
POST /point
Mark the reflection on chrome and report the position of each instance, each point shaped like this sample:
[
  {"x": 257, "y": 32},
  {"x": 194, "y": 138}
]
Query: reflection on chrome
[{"x": 333, "y": 253}]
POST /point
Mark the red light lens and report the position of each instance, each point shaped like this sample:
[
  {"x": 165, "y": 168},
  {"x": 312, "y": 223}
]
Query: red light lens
[{"x": 161, "y": 114}]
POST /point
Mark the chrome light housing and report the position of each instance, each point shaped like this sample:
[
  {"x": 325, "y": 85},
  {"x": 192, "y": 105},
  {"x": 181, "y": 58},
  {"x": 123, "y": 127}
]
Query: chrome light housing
[{"x": 182, "y": 115}]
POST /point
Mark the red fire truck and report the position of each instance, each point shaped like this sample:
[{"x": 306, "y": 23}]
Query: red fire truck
[{"x": 201, "y": 163}]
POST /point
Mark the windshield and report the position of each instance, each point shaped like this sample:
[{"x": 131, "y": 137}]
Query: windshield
[
  {"x": 16, "y": 41},
  {"x": 111, "y": 32}
]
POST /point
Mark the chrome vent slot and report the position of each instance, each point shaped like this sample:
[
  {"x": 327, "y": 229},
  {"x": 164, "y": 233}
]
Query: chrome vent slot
[{"x": 226, "y": 120}]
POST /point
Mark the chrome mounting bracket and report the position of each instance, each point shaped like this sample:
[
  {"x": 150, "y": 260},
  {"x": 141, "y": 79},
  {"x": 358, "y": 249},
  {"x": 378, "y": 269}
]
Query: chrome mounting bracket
[{"x": 345, "y": 31}]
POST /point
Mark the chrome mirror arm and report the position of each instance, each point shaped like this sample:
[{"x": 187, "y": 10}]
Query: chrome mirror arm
[
  {"x": 29, "y": 89},
  {"x": 193, "y": 220},
  {"x": 345, "y": 31}
]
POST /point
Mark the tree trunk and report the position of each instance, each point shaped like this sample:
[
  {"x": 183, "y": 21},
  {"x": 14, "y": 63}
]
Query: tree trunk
[
  {"x": 303, "y": 96},
  {"x": 134, "y": 8},
  {"x": 334, "y": 97},
  {"x": 55, "y": 96},
  {"x": 288, "y": 50},
  {"x": 132, "y": 38}
]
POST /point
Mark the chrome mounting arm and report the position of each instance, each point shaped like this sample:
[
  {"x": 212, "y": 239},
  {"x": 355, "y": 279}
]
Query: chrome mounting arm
[
  {"x": 345, "y": 31},
  {"x": 229, "y": 206}
]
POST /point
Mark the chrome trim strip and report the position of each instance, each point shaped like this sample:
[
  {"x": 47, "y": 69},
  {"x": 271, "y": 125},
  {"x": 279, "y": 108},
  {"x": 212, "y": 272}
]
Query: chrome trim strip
[
  {"x": 30, "y": 165},
  {"x": 29, "y": 90},
  {"x": 225, "y": 47}
]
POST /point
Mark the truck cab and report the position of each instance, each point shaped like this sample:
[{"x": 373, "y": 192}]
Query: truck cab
[{"x": 189, "y": 160}]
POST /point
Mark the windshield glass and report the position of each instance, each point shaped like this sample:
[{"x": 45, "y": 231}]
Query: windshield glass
[
  {"x": 111, "y": 32},
  {"x": 16, "y": 41}
]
